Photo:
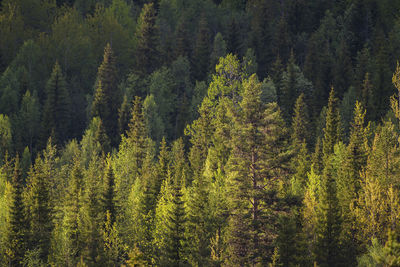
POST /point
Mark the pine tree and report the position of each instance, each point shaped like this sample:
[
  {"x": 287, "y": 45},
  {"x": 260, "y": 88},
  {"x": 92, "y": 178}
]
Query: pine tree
[
  {"x": 332, "y": 130},
  {"x": 254, "y": 169},
  {"x": 106, "y": 96},
  {"x": 147, "y": 41},
  {"x": 202, "y": 49},
  {"x": 17, "y": 236},
  {"x": 56, "y": 108}
]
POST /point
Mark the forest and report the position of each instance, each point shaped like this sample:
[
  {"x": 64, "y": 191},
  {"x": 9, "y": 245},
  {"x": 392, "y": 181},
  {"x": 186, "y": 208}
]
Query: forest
[{"x": 200, "y": 133}]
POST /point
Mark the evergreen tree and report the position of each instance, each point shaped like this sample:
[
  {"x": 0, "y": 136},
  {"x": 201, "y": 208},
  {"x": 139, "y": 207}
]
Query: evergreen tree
[
  {"x": 123, "y": 116},
  {"x": 356, "y": 160},
  {"x": 301, "y": 122},
  {"x": 293, "y": 84},
  {"x": 254, "y": 170},
  {"x": 233, "y": 39},
  {"x": 40, "y": 205},
  {"x": 367, "y": 99},
  {"x": 106, "y": 96},
  {"x": 219, "y": 50},
  {"x": 175, "y": 225},
  {"x": 147, "y": 55},
  {"x": 332, "y": 130},
  {"x": 56, "y": 114},
  {"x": 328, "y": 247},
  {"x": 108, "y": 198},
  {"x": 73, "y": 216},
  {"x": 202, "y": 49},
  {"x": 17, "y": 237},
  {"x": 183, "y": 45}
]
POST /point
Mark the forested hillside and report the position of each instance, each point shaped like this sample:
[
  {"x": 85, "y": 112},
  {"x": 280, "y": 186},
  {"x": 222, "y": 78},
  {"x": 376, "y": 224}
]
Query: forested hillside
[{"x": 200, "y": 133}]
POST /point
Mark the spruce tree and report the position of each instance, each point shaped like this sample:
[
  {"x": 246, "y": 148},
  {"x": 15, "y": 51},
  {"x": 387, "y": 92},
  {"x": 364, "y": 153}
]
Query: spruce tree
[
  {"x": 183, "y": 45},
  {"x": 108, "y": 197},
  {"x": 332, "y": 130},
  {"x": 147, "y": 55},
  {"x": 123, "y": 116},
  {"x": 233, "y": 40},
  {"x": 202, "y": 49},
  {"x": 56, "y": 108},
  {"x": 329, "y": 222},
  {"x": 367, "y": 99},
  {"x": 356, "y": 160},
  {"x": 175, "y": 223},
  {"x": 17, "y": 236},
  {"x": 73, "y": 217},
  {"x": 40, "y": 209},
  {"x": 106, "y": 96},
  {"x": 300, "y": 122}
]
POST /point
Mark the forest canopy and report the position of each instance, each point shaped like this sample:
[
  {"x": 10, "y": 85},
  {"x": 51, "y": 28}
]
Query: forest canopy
[{"x": 199, "y": 133}]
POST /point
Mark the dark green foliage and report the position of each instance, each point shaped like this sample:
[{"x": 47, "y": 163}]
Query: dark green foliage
[
  {"x": 175, "y": 225},
  {"x": 147, "y": 55},
  {"x": 109, "y": 205},
  {"x": 202, "y": 50},
  {"x": 106, "y": 96},
  {"x": 123, "y": 116},
  {"x": 56, "y": 111},
  {"x": 230, "y": 184}
]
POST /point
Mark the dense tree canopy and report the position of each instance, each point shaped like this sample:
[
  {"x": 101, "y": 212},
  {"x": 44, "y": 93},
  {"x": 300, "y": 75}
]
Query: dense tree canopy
[{"x": 199, "y": 133}]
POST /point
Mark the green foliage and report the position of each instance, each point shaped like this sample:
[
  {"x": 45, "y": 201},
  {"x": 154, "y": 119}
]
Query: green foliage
[
  {"x": 56, "y": 116},
  {"x": 146, "y": 41}
]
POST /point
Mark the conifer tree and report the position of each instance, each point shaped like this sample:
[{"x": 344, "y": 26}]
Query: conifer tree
[
  {"x": 40, "y": 207},
  {"x": 198, "y": 225},
  {"x": 56, "y": 107},
  {"x": 17, "y": 237},
  {"x": 174, "y": 253},
  {"x": 367, "y": 99},
  {"x": 329, "y": 222},
  {"x": 202, "y": 49},
  {"x": 233, "y": 40},
  {"x": 108, "y": 197},
  {"x": 73, "y": 217},
  {"x": 132, "y": 151},
  {"x": 123, "y": 116},
  {"x": 277, "y": 70},
  {"x": 356, "y": 160},
  {"x": 162, "y": 166},
  {"x": 106, "y": 96},
  {"x": 147, "y": 41},
  {"x": 332, "y": 130},
  {"x": 301, "y": 122},
  {"x": 183, "y": 46},
  {"x": 254, "y": 169}
]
